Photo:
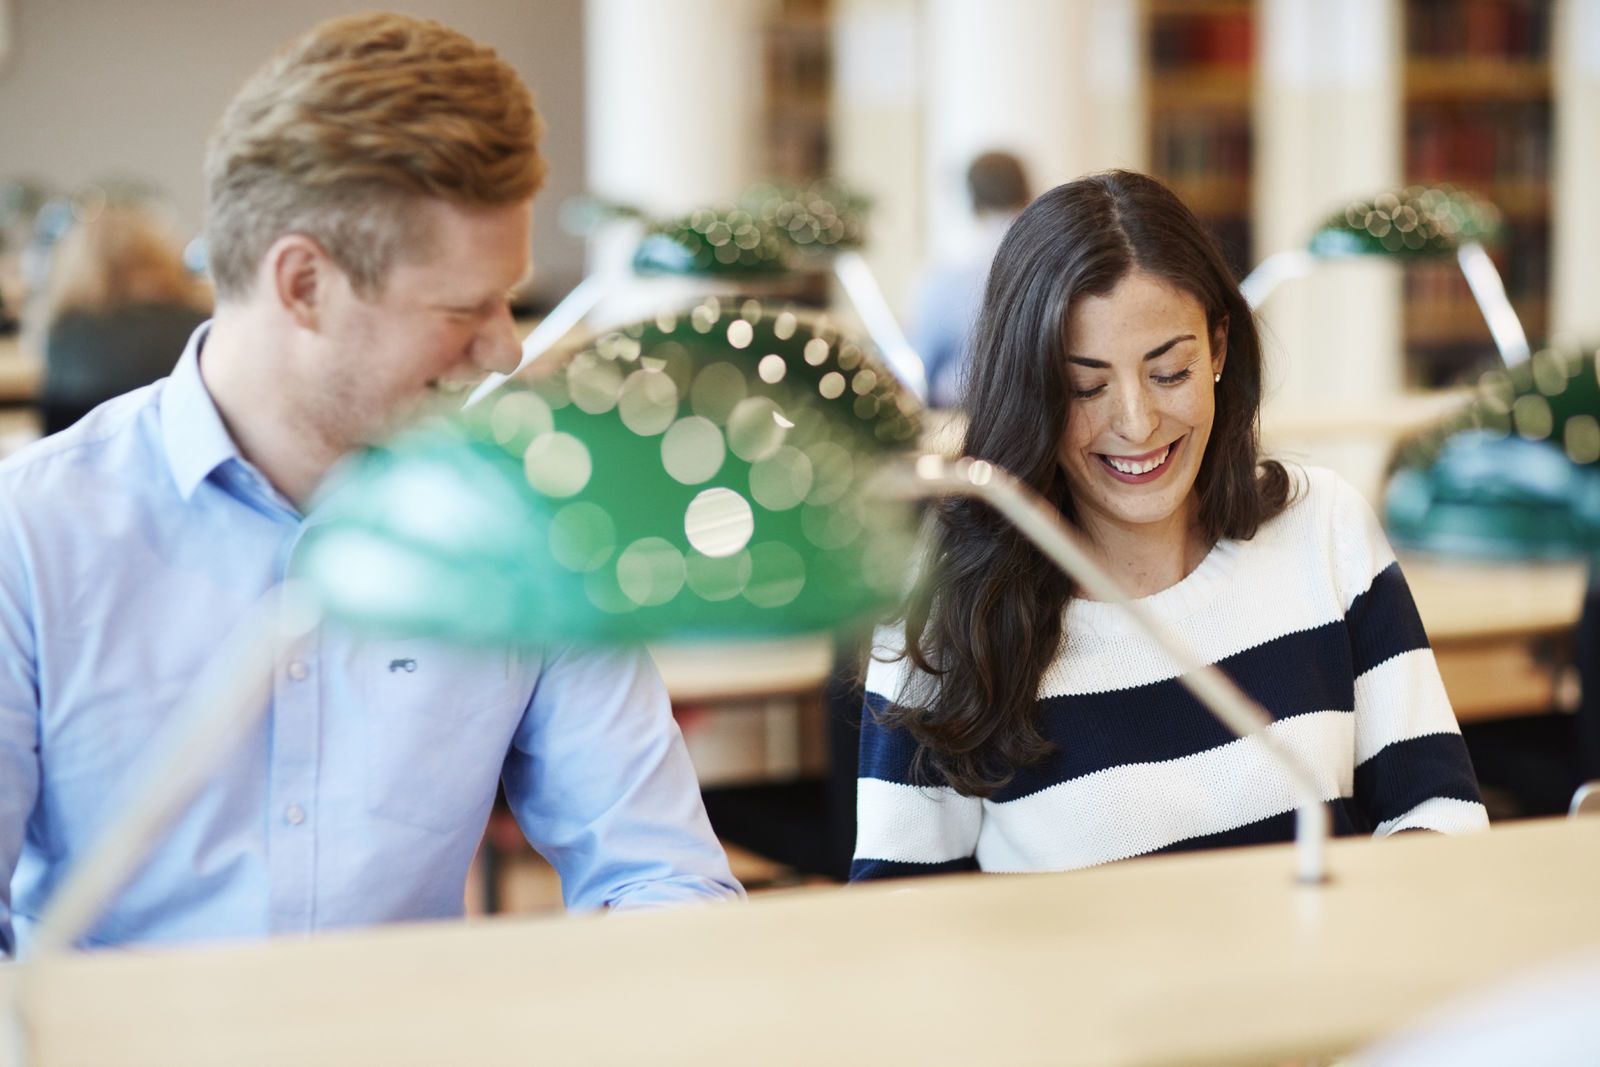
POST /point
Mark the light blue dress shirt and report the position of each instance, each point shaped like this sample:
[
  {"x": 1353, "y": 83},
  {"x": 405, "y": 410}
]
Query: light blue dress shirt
[{"x": 129, "y": 546}]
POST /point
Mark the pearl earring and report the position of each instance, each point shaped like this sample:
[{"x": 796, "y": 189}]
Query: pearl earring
[{"x": 1217, "y": 377}]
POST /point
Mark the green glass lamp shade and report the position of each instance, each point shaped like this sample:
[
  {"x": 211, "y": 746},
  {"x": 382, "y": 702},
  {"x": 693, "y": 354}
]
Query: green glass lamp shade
[
  {"x": 714, "y": 241},
  {"x": 773, "y": 228},
  {"x": 1420, "y": 222},
  {"x": 819, "y": 216},
  {"x": 698, "y": 475},
  {"x": 1516, "y": 475}
]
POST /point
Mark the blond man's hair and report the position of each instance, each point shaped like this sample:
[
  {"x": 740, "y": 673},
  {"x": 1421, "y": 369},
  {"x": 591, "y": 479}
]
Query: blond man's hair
[{"x": 342, "y": 133}]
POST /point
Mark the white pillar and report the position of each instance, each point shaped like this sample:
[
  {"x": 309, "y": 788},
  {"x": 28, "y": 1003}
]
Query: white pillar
[
  {"x": 673, "y": 96},
  {"x": 1328, "y": 131},
  {"x": 1575, "y": 210},
  {"x": 877, "y": 136},
  {"x": 1057, "y": 82}
]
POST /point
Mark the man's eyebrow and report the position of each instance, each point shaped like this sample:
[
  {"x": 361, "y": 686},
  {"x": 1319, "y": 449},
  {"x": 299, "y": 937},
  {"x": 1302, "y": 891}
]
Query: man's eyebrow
[{"x": 1155, "y": 353}]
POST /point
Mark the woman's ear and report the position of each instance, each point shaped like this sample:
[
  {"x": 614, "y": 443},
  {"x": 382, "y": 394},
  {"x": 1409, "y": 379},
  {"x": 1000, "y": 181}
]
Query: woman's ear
[{"x": 1219, "y": 345}]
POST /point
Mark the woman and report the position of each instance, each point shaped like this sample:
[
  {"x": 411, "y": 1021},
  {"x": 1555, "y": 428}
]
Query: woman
[
  {"x": 117, "y": 310},
  {"x": 1012, "y": 725}
]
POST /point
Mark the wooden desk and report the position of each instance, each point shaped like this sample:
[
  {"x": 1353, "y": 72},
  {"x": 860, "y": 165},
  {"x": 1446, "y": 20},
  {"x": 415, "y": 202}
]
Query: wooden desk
[
  {"x": 1202, "y": 959},
  {"x": 1500, "y": 631},
  {"x": 736, "y": 670},
  {"x": 19, "y": 373}
]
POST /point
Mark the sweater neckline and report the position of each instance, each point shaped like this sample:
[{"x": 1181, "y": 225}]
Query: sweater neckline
[{"x": 1191, "y": 594}]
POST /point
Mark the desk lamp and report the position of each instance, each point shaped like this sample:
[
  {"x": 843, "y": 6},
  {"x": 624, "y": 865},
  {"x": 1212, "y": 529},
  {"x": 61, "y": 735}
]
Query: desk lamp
[
  {"x": 727, "y": 470},
  {"x": 1418, "y": 224},
  {"x": 771, "y": 232},
  {"x": 1516, "y": 474}
]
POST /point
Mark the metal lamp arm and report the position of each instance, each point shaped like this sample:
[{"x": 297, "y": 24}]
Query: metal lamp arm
[
  {"x": 1038, "y": 521},
  {"x": 861, "y": 289},
  {"x": 1490, "y": 293}
]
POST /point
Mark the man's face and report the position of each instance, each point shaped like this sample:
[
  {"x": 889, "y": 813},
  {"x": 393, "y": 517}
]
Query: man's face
[{"x": 440, "y": 314}]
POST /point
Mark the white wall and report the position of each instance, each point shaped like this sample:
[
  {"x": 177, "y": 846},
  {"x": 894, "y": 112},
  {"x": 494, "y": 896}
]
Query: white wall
[{"x": 132, "y": 87}]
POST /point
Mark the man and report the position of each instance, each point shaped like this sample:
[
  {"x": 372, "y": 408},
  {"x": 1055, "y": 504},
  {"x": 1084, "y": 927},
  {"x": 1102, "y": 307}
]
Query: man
[
  {"x": 370, "y": 197},
  {"x": 951, "y": 291}
]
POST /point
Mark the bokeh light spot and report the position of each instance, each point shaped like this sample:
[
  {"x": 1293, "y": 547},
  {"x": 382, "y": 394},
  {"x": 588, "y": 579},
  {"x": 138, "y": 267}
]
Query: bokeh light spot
[
  {"x": 777, "y": 575},
  {"x": 517, "y": 418},
  {"x": 557, "y": 464},
  {"x": 692, "y": 451},
  {"x": 593, "y": 382},
  {"x": 1581, "y": 438},
  {"x": 754, "y": 429},
  {"x": 582, "y": 536},
  {"x": 716, "y": 391},
  {"x": 649, "y": 402},
  {"x": 772, "y": 368},
  {"x": 650, "y": 571},
  {"x": 717, "y": 577},
  {"x": 781, "y": 481},
  {"x": 718, "y": 522}
]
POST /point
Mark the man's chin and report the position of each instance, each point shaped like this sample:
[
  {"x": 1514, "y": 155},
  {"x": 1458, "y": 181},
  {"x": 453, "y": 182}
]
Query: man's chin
[{"x": 402, "y": 417}]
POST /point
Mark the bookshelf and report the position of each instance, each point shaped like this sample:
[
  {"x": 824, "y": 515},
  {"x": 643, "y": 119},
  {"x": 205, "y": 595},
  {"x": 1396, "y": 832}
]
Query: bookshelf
[
  {"x": 797, "y": 53},
  {"x": 1478, "y": 112},
  {"x": 1199, "y": 64}
]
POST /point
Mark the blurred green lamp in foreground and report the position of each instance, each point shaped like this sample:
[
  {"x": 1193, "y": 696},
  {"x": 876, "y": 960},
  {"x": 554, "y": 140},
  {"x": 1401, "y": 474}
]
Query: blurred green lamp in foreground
[
  {"x": 699, "y": 474},
  {"x": 1516, "y": 474},
  {"x": 1421, "y": 223}
]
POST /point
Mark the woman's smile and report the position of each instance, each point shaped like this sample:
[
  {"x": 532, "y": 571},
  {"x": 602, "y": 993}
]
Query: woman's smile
[{"x": 1136, "y": 470}]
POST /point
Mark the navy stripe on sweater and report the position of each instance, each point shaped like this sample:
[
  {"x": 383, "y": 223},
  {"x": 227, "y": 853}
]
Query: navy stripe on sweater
[
  {"x": 870, "y": 870},
  {"x": 1343, "y": 821},
  {"x": 1383, "y": 621},
  {"x": 1406, "y": 773}
]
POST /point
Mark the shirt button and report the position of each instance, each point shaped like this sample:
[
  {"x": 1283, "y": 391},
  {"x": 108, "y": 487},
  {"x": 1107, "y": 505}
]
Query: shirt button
[
  {"x": 298, "y": 671},
  {"x": 294, "y": 815}
]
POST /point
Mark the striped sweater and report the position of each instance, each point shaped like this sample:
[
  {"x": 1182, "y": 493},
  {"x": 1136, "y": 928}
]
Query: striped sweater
[{"x": 1311, "y": 617}]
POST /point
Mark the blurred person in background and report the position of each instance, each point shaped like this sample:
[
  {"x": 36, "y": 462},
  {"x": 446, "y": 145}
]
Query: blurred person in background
[
  {"x": 951, "y": 291},
  {"x": 116, "y": 311}
]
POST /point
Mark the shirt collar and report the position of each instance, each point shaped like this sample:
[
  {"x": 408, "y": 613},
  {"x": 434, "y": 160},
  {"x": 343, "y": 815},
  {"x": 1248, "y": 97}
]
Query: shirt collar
[{"x": 192, "y": 431}]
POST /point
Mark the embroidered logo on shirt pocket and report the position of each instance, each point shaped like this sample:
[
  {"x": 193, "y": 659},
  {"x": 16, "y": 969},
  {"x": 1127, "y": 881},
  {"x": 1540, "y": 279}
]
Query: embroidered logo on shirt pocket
[{"x": 438, "y": 723}]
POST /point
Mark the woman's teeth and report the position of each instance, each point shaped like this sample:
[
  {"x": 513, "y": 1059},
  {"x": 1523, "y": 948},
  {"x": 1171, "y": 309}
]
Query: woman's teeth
[{"x": 1144, "y": 466}]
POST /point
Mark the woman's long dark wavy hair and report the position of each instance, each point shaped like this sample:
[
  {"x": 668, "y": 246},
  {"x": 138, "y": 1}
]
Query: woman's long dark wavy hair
[{"x": 988, "y": 621}]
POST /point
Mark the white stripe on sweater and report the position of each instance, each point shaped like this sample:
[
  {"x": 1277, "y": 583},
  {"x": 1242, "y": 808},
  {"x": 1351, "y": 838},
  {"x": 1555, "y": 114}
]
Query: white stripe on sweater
[
  {"x": 1444, "y": 814},
  {"x": 914, "y": 824},
  {"x": 1140, "y": 807},
  {"x": 1401, "y": 699}
]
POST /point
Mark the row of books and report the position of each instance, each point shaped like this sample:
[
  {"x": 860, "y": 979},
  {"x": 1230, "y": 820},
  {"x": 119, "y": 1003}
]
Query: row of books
[
  {"x": 1483, "y": 142},
  {"x": 798, "y": 147},
  {"x": 1200, "y": 145},
  {"x": 1504, "y": 29},
  {"x": 1215, "y": 39},
  {"x": 1522, "y": 256},
  {"x": 799, "y": 64}
]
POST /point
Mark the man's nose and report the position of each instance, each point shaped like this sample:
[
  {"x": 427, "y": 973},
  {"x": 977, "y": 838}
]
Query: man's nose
[{"x": 497, "y": 346}]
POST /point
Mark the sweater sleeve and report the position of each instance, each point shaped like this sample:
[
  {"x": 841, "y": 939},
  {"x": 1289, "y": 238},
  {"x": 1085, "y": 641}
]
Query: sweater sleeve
[
  {"x": 904, "y": 825},
  {"x": 1412, "y": 769}
]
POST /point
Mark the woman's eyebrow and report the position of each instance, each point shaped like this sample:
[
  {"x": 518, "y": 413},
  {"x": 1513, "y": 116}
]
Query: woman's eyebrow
[{"x": 1154, "y": 353}]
